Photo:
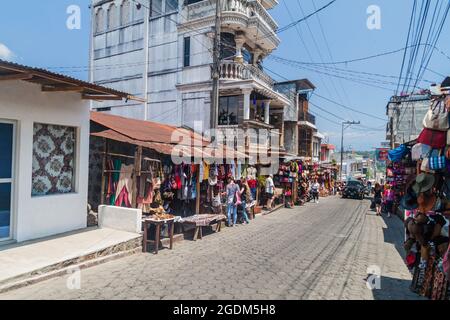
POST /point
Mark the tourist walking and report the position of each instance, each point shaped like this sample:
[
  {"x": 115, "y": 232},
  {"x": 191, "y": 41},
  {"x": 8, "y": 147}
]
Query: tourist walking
[{"x": 232, "y": 193}]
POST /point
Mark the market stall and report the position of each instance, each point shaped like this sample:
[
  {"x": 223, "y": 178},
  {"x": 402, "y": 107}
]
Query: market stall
[
  {"x": 420, "y": 176},
  {"x": 134, "y": 161}
]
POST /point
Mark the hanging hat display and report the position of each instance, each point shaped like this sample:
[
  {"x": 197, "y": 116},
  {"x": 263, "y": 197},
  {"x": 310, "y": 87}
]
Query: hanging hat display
[{"x": 424, "y": 183}]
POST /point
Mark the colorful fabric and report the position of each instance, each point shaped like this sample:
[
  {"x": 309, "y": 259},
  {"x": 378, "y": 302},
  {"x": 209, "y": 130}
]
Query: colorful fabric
[
  {"x": 203, "y": 220},
  {"x": 53, "y": 159}
]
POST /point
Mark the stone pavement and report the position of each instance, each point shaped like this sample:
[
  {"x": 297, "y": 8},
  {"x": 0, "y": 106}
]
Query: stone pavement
[{"x": 320, "y": 251}]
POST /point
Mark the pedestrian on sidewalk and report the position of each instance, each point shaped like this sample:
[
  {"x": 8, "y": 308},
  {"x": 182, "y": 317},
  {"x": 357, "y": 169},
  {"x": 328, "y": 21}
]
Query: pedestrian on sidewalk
[
  {"x": 270, "y": 192},
  {"x": 388, "y": 197},
  {"x": 378, "y": 198},
  {"x": 232, "y": 192},
  {"x": 246, "y": 198},
  {"x": 315, "y": 187}
]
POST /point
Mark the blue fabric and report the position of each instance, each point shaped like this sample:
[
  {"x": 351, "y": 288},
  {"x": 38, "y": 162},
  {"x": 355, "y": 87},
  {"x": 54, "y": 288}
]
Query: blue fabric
[
  {"x": 398, "y": 154},
  {"x": 437, "y": 163}
]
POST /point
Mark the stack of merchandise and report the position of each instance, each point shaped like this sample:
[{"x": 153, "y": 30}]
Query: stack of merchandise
[{"x": 427, "y": 203}]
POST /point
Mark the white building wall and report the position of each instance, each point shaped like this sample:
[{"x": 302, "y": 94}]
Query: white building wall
[{"x": 36, "y": 217}]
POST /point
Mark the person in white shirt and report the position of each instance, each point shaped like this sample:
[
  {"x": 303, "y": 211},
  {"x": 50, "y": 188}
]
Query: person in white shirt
[
  {"x": 315, "y": 187},
  {"x": 270, "y": 191}
]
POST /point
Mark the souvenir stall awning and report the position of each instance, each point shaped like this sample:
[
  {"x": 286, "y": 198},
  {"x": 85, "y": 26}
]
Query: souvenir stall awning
[{"x": 159, "y": 137}]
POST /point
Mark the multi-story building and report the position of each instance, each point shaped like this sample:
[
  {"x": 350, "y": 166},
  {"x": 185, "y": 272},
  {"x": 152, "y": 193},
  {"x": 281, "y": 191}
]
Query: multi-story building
[
  {"x": 406, "y": 114},
  {"x": 177, "y": 81},
  {"x": 298, "y": 91},
  {"x": 326, "y": 153}
]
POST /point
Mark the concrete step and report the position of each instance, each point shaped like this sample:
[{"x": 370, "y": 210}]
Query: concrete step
[{"x": 64, "y": 266}]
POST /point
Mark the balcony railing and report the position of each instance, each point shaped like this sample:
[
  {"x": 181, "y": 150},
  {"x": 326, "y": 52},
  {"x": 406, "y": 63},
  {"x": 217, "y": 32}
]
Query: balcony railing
[
  {"x": 250, "y": 8},
  {"x": 230, "y": 70},
  {"x": 306, "y": 116}
]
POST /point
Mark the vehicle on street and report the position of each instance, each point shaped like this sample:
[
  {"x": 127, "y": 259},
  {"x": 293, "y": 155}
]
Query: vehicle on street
[{"x": 354, "y": 190}]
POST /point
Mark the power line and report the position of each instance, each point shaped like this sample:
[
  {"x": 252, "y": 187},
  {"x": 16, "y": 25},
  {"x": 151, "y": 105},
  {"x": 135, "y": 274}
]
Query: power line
[
  {"x": 293, "y": 24},
  {"x": 349, "y": 108}
]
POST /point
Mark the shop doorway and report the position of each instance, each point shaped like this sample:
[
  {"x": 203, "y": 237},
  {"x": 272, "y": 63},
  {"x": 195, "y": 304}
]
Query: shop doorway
[{"x": 7, "y": 133}]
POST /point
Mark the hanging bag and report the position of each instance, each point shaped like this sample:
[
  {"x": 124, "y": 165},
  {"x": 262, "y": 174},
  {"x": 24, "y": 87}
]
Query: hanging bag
[
  {"x": 446, "y": 263},
  {"x": 397, "y": 154},
  {"x": 437, "y": 162},
  {"x": 419, "y": 151},
  {"x": 434, "y": 138},
  {"x": 437, "y": 116}
]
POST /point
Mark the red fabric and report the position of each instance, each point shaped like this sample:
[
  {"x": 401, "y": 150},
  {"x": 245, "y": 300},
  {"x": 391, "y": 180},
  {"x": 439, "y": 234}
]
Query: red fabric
[
  {"x": 123, "y": 198},
  {"x": 435, "y": 139},
  {"x": 178, "y": 181},
  {"x": 252, "y": 184}
]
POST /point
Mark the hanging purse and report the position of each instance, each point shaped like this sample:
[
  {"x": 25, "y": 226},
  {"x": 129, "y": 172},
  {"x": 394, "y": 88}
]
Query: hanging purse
[
  {"x": 434, "y": 138},
  {"x": 437, "y": 116},
  {"x": 438, "y": 162},
  {"x": 419, "y": 151}
]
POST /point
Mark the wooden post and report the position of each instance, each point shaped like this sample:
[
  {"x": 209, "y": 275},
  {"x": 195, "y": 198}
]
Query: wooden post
[
  {"x": 137, "y": 174},
  {"x": 197, "y": 200},
  {"x": 102, "y": 195}
]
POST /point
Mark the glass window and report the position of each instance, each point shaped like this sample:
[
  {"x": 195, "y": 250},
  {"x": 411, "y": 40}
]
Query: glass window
[
  {"x": 187, "y": 52},
  {"x": 227, "y": 46},
  {"x": 53, "y": 159},
  {"x": 100, "y": 21},
  {"x": 156, "y": 7},
  {"x": 125, "y": 13},
  {"x": 112, "y": 17},
  {"x": 6, "y": 141},
  {"x": 5, "y": 210},
  {"x": 171, "y": 5},
  {"x": 228, "y": 110}
]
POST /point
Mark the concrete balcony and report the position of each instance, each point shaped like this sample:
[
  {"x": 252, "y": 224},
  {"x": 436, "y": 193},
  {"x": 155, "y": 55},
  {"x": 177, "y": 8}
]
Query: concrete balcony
[
  {"x": 248, "y": 16},
  {"x": 307, "y": 119},
  {"x": 236, "y": 71}
]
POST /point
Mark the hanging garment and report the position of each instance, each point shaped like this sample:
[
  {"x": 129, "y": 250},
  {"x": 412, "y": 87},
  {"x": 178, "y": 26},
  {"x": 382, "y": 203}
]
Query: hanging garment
[
  {"x": 123, "y": 199},
  {"x": 206, "y": 171},
  {"x": 125, "y": 182}
]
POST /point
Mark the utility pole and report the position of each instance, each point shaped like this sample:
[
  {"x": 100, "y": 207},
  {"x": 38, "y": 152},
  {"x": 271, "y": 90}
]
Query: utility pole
[
  {"x": 216, "y": 68},
  {"x": 348, "y": 124},
  {"x": 147, "y": 16}
]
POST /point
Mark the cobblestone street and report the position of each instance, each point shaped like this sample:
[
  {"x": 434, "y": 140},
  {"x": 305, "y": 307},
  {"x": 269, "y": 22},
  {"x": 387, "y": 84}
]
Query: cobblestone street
[{"x": 314, "y": 252}]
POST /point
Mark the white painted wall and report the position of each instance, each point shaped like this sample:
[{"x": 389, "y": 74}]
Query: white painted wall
[
  {"x": 36, "y": 217},
  {"x": 124, "y": 219}
]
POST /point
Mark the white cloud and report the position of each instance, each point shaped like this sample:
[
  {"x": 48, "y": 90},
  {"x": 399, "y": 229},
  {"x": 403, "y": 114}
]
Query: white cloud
[{"x": 6, "y": 53}]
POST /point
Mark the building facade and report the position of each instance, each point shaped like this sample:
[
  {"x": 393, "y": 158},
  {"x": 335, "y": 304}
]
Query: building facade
[
  {"x": 44, "y": 130},
  {"x": 406, "y": 114},
  {"x": 177, "y": 83}
]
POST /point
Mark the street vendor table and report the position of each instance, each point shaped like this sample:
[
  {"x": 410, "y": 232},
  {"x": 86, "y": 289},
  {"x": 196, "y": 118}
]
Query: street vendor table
[
  {"x": 158, "y": 224},
  {"x": 204, "y": 220}
]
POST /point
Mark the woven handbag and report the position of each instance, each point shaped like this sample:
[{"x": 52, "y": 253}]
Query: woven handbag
[
  {"x": 437, "y": 116},
  {"x": 434, "y": 138},
  {"x": 437, "y": 162}
]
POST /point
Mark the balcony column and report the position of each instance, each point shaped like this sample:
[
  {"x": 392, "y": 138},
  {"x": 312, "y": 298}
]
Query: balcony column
[
  {"x": 267, "y": 111},
  {"x": 247, "y": 93},
  {"x": 256, "y": 54},
  {"x": 240, "y": 40}
]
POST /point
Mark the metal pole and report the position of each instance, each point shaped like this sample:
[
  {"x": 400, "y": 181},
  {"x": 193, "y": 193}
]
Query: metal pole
[
  {"x": 342, "y": 151},
  {"x": 146, "y": 53},
  {"x": 216, "y": 68},
  {"x": 349, "y": 123}
]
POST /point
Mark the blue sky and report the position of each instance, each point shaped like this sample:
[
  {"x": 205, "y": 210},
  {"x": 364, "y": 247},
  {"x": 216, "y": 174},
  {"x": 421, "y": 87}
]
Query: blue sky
[{"x": 35, "y": 33}]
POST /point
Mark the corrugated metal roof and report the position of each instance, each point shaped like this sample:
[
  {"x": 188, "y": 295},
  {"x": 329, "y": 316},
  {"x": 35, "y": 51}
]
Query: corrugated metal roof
[
  {"x": 147, "y": 131},
  {"x": 158, "y": 137},
  {"x": 58, "y": 82}
]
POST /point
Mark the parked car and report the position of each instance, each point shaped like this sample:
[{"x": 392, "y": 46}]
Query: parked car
[{"x": 354, "y": 190}]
